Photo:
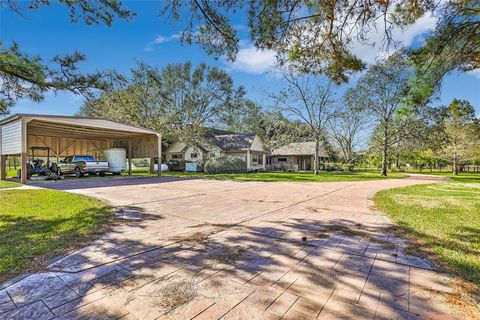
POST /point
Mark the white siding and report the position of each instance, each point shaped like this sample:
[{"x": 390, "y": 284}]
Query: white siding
[
  {"x": 11, "y": 138},
  {"x": 190, "y": 150},
  {"x": 176, "y": 147},
  {"x": 257, "y": 144}
]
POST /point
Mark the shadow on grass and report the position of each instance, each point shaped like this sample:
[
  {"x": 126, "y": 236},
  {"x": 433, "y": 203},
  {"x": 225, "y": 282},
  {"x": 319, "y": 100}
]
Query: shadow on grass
[
  {"x": 28, "y": 243},
  {"x": 465, "y": 240}
]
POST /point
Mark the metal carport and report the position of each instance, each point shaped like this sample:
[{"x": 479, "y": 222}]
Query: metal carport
[{"x": 68, "y": 135}]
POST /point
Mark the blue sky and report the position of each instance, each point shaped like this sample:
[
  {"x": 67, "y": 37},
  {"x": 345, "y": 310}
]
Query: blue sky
[{"x": 148, "y": 38}]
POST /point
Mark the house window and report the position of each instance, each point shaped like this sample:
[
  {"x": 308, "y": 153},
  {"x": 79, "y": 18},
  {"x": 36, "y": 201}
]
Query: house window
[
  {"x": 282, "y": 160},
  {"x": 212, "y": 155},
  {"x": 193, "y": 155},
  {"x": 257, "y": 159},
  {"x": 177, "y": 156}
]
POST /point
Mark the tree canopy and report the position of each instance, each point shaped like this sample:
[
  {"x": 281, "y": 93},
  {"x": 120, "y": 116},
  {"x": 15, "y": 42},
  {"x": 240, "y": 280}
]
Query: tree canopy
[
  {"x": 178, "y": 99},
  {"x": 380, "y": 92},
  {"x": 319, "y": 36},
  {"x": 24, "y": 76},
  {"x": 462, "y": 130}
]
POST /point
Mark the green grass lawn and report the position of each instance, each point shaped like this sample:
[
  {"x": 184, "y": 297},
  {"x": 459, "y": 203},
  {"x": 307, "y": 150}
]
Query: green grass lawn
[
  {"x": 445, "y": 217},
  {"x": 332, "y": 176},
  {"x": 36, "y": 225},
  {"x": 462, "y": 177},
  {"x": 8, "y": 184}
]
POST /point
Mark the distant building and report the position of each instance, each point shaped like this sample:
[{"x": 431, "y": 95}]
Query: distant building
[
  {"x": 220, "y": 143},
  {"x": 297, "y": 156}
]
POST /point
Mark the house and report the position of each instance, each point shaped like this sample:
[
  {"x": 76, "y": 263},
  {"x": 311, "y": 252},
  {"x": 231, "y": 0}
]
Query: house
[
  {"x": 220, "y": 143},
  {"x": 297, "y": 156}
]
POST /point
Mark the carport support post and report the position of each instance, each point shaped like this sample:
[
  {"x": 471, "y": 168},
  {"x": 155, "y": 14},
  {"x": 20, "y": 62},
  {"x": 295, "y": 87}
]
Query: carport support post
[
  {"x": 129, "y": 157},
  {"x": 152, "y": 165},
  {"x": 23, "y": 155},
  {"x": 3, "y": 167},
  {"x": 159, "y": 140},
  {"x": 23, "y": 175}
]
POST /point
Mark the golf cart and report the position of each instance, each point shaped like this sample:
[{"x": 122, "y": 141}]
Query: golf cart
[{"x": 39, "y": 168}]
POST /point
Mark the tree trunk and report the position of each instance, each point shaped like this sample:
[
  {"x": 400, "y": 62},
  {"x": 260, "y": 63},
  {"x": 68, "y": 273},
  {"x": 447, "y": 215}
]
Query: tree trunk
[
  {"x": 316, "y": 160},
  {"x": 385, "y": 150},
  {"x": 455, "y": 164}
]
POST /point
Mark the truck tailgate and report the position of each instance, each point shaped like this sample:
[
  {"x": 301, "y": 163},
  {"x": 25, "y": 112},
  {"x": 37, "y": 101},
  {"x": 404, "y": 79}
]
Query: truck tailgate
[{"x": 96, "y": 164}]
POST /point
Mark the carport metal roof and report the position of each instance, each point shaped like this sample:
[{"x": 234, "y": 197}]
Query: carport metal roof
[
  {"x": 60, "y": 125},
  {"x": 20, "y": 131}
]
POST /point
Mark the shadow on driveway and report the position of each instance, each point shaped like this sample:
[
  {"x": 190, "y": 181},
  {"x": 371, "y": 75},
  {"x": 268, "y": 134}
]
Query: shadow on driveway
[{"x": 71, "y": 183}]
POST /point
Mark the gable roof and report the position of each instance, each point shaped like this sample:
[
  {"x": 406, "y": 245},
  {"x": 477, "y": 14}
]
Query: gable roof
[
  {"x": 210, "y": 132},
  {"x": 56, "y": 121},
  {"x": 300, "y": 149},
  {"x": 234, "y": 141}
]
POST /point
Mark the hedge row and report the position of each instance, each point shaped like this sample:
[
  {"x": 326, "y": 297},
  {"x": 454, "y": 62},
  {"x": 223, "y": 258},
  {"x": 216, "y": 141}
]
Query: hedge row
[{"x": 225, "y": 165}]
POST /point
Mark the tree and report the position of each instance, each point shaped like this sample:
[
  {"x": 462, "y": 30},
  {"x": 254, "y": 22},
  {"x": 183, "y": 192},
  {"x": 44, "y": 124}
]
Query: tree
[
  {"x": 26, "y": 76},
  {"x": 380, "y": 93},
  {"x": 344, "y": 128},
  {"x": 242, "y": 118},
  {"x": 422, "y": 137},
  {"x": 23, "y": 76},
  {"x": 462, "y": 130},
  {"x": 319, "y": 36},
  {"x": 178, "y": 99},
  {"x": 453, "y": 46},
  {"x": 276, "y": 130},
  {"x": 309, "y": 99}
]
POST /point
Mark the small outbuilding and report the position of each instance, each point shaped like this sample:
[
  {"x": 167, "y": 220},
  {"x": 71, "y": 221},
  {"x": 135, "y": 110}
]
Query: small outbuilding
[
  {"x": 297, "y": 156},
  {"x": 69, "y": 135}
]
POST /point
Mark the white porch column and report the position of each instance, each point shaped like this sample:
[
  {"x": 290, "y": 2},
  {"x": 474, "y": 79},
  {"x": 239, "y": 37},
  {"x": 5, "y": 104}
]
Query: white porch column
[
  {"x": 159, "y": 140},
  {"x": 264, "y": 162},
  {"x": 129, "y": 157},
  {"x": 249, "y": 159}
]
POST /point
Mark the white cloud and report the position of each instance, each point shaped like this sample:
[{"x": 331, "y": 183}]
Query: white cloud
[
  {"x": 475, "y": 73},
  {"x": 253, "y": 60},
  {"x": 159, "y": 40},
  {"x": 372, "y": 50}
]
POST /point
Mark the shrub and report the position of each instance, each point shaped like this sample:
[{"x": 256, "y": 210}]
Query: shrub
[
  {"x": 348, "y": 167},
  {"x": 225, "y": 165},
  {"x": 176, "y": 165}
]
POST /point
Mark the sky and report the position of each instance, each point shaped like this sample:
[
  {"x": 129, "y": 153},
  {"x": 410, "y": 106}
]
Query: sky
[{"x": 149, "y": 38}]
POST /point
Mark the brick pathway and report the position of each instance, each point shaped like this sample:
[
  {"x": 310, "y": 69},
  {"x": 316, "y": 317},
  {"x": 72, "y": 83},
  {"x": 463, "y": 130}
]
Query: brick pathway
[{"x": 234, "y": 250}]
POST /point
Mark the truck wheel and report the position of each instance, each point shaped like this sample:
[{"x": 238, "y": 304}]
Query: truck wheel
[{"x": 78, "y": 172}]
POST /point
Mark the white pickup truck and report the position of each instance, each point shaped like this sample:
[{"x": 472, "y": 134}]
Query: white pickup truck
[{"x": 80, "y": 165}]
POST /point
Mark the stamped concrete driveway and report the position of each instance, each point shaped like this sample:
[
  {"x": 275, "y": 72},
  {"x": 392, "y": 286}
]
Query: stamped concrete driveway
[{"x": 204, "y": 249}]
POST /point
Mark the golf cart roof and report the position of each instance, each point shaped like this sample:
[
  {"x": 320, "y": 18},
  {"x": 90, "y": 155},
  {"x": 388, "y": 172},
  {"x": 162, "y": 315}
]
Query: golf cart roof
[{"x": 40, "y": 148}]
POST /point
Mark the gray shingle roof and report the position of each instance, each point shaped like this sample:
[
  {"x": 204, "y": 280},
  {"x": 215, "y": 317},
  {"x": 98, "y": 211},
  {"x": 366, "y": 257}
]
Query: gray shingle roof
[
  {"x": 233, "y": 142},
  {"x": 298, "y": 149}
]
